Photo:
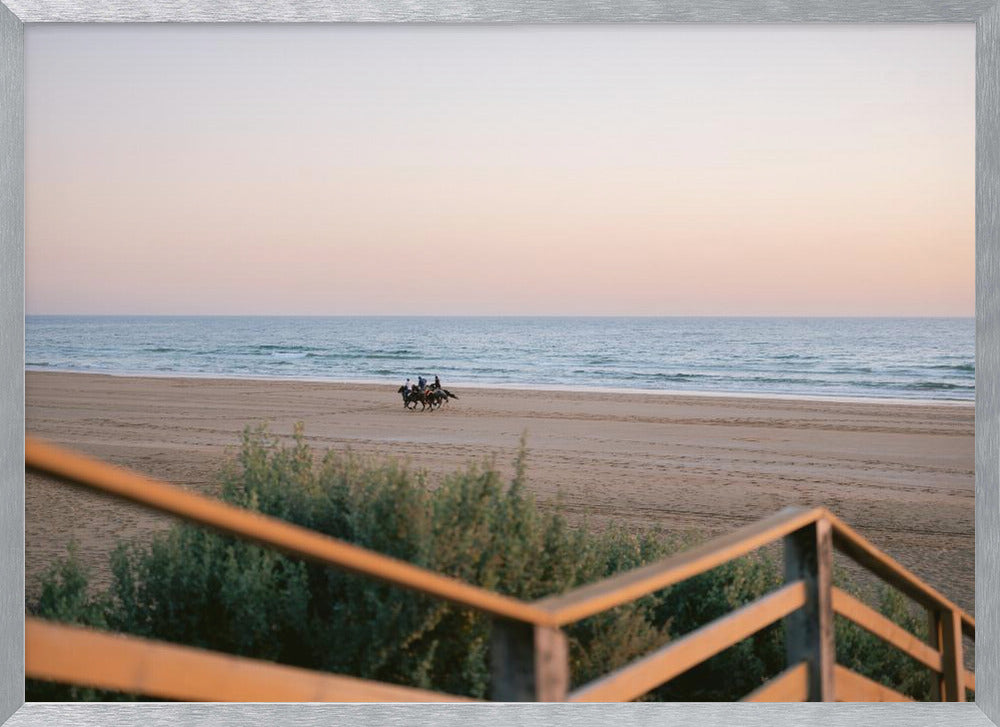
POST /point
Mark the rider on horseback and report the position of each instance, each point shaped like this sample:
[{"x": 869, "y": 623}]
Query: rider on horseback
[{"x": 432, "y": 396}]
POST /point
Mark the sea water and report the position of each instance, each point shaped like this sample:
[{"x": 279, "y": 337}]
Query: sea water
[{"x": 899, "y": 358}]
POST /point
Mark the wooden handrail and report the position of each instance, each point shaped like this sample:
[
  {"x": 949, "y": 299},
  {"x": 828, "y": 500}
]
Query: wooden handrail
[
  {"x": 853, "y": 687},
  {"x": 870, "y": 620},
  {"x": 791, "y": 685},
  {"x": 616, "y": 590},
  {"x": 81, "y": 470},
  {"x": 677, "y": 657},
  {"x": 864, "y": 553},
  {"x": 61, "y": 653}
]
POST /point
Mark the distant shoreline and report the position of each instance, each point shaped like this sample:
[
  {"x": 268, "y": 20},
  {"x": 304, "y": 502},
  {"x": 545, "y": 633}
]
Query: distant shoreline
[{"x": 547, "y": 388}]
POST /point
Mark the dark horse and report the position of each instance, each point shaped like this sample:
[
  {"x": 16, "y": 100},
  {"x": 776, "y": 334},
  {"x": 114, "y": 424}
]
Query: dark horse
[
  {"x": 439, "y": 396},
  {"x": 413, "y": 397}
]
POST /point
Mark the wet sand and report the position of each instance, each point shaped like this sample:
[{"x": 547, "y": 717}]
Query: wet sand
[{"x": 901, "y": 474}]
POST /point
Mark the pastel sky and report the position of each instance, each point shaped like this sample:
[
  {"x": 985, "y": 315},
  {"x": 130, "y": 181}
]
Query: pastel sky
[{"x": 619, "y": 170}]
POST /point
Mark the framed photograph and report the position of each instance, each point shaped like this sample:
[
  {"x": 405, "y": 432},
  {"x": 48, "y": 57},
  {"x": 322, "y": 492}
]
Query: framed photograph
[{"x": 636, "y": 361}]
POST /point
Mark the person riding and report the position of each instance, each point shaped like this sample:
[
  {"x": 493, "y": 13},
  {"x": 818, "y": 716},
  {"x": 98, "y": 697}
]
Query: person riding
[
  {"x": 407, "y": 387},
  {"x": 421, "y": 383},
  {"x": 437, "y": 382}
]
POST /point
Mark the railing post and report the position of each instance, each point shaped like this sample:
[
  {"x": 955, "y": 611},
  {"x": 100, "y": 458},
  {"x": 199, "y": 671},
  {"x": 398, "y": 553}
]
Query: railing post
[
  {"x": 951, "y": 655},
  {"x": 934, "y": 639},
  {"x": 529, "y": 663},
  {"x": 809, "y": 631}
]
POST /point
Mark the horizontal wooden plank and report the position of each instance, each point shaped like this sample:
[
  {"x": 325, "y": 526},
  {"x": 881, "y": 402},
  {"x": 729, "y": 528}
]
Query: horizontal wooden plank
[
  {"x": 597, "y": 597},
  {"x": 970, "y": 680},
  {"x": 867, "y": 618},
  {"x": 852, "y": 687},
  {"x": 791, "y": 685},
  {"x": 690, "y": 650},
  {"x": 859, "y": 549},
  {"x": 79, "y": 469},
  {"x": 76, "y": 655}
]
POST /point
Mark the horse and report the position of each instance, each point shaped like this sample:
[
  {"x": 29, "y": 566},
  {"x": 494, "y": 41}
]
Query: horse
[
  {"x": 438, "y": 387},
  {"x": 411, "y": 397},
  {"x": 435, "y": 398},
  {"x": 438, "y": 396}
]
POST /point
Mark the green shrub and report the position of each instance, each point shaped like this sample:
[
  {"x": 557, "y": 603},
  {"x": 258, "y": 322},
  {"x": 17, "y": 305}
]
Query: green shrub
[
  {"x": 66, "y": 597},
  {"x": 742, "y": 668},
  {"x": 869, "y": 656},
  {"x": 192, "y": 586}
]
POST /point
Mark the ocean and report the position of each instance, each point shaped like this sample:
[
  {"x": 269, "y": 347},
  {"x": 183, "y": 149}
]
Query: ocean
[{"x": 887, "y": 358}]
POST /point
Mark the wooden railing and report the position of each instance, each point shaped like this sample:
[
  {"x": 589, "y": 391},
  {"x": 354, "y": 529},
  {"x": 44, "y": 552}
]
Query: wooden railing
[{"x": 529, "y": 652}]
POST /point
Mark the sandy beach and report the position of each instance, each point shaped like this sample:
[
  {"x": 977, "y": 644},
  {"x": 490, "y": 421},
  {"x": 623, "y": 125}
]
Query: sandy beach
[{"x": 902, "y": 474}]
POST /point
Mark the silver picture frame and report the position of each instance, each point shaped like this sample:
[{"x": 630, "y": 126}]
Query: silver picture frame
[{"x": 985, "y": 14}]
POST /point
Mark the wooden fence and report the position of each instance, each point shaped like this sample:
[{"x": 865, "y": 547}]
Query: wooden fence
[{"x": 529, "y": 649}]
